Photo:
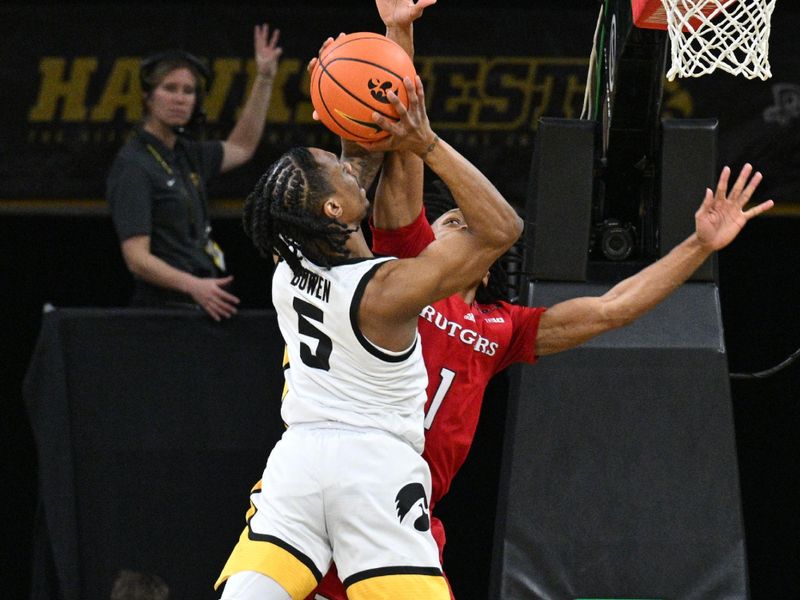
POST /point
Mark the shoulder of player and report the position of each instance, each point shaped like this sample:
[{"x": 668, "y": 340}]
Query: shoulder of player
[
  {"x": 393, "y": 289},
  {"x": 394, "y": 267},
  {"x": 390, "y": 275}
]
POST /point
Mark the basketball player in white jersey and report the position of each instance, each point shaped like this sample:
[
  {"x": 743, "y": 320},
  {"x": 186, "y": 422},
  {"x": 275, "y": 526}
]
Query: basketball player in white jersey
[{"x": 347, "y": 481}]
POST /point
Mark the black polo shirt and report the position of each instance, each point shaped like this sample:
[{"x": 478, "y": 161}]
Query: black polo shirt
[{"x": 159, "y": 192}]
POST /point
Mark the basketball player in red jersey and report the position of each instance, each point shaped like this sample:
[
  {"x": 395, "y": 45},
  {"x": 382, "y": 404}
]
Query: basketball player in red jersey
[{"x": 473, "y": 335}]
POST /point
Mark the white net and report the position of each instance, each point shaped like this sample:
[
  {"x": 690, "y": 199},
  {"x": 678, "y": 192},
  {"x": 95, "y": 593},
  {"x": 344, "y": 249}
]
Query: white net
[{"x": 730, "y": 35}]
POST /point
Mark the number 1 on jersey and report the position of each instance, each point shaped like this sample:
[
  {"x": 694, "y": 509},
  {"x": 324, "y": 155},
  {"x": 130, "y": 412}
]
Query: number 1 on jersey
[{"x": 444, "y": 386}]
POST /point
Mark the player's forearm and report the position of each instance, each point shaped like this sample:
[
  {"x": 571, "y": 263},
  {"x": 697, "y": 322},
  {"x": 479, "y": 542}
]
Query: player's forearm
[
  {"x": 573, "y": 322},
  {"x": 403, "y": 36},
  {"x": 398, "y": 199},
  {"x": 636, "y": 295},
  {"x": 365, "y": 164},
  {"x": 490, "y": 218}
]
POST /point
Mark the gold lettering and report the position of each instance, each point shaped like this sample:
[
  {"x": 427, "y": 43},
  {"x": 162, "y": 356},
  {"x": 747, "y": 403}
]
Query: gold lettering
[
  {"x": 122, "y": 91},
  {"x": 456, "y": 81},
  {"x": 473, "y": 94},
  {"x": 279, "y": 111},
  {"x": 250, "y": 69},
  {"x": 500, "y": 93},
  {"x": 225, "y": 69},
  {"x": 72, "y": 91},
  {"x": 552, "y": 74},
  {"x": 677, "y": 101},
  {"x": 573, "y": 97},
  {"x": 508, "y": 89}
]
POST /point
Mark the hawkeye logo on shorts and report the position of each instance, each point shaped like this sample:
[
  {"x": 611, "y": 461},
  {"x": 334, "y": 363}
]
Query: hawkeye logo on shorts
[{"x": 410, "y": 501}]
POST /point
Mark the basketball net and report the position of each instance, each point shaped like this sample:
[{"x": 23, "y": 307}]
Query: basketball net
[{"x": 729, "y": 35}]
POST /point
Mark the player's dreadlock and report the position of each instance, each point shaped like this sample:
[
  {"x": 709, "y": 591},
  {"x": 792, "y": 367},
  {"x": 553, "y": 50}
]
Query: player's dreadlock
[
  {"x": 500, "y": 287},
  {"x": 283, "y": 213}
]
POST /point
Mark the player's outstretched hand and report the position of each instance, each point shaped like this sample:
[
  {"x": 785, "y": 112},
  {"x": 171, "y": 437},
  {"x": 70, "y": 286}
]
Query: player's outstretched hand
[
  {"x": 412, "y": 131},
  {"x": 722, "y": 215},
  {"x": 401, "y": 13}
]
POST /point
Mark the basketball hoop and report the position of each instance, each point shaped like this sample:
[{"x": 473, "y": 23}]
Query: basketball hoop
[{"x": 706, "y": 35}]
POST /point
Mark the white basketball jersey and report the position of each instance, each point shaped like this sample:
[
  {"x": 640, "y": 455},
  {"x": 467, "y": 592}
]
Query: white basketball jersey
[{"x": 335, "y": 373}]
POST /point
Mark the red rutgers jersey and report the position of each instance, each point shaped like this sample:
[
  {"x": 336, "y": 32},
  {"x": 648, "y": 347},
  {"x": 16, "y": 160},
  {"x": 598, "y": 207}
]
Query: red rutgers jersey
[{"x": 464, "y": 346}]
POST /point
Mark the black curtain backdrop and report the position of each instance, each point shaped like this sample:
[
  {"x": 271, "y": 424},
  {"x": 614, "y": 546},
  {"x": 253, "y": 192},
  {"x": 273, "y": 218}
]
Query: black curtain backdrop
[{"x": 71, "y": 260}]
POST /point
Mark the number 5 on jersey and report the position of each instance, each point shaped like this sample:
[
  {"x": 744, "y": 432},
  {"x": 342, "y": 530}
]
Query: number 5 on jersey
[{"x": 306, "y": 313}]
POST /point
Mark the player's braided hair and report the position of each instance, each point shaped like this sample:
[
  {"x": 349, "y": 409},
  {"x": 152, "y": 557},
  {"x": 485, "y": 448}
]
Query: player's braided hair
[
  {"x": 438, "y": 202},
  {"x": 283, "y": 213}
]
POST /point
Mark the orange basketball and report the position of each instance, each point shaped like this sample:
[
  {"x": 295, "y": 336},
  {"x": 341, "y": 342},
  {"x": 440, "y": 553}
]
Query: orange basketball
[{"x": 351, "y": 79}]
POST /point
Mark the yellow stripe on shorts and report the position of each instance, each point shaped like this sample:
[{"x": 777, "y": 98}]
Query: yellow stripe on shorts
[
  {"x": 396, "y": 585},
  {"x": 267, "y": 557}
]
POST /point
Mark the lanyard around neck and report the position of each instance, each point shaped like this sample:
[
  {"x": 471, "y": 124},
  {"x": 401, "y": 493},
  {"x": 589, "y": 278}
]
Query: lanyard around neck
[
  {"x": 159, "y": 159},
  {"x": 187, "y": 201}
]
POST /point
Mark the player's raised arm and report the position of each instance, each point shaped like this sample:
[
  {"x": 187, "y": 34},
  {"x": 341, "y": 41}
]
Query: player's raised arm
[
  {"x": 488, "y": 227},
  {"x": 398, "y": 198},
  {"x": 718, "y": 221}
]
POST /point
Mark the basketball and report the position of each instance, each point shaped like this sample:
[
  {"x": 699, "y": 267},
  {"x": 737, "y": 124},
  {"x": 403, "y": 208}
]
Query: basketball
[{"x": 350, "y": 82}]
